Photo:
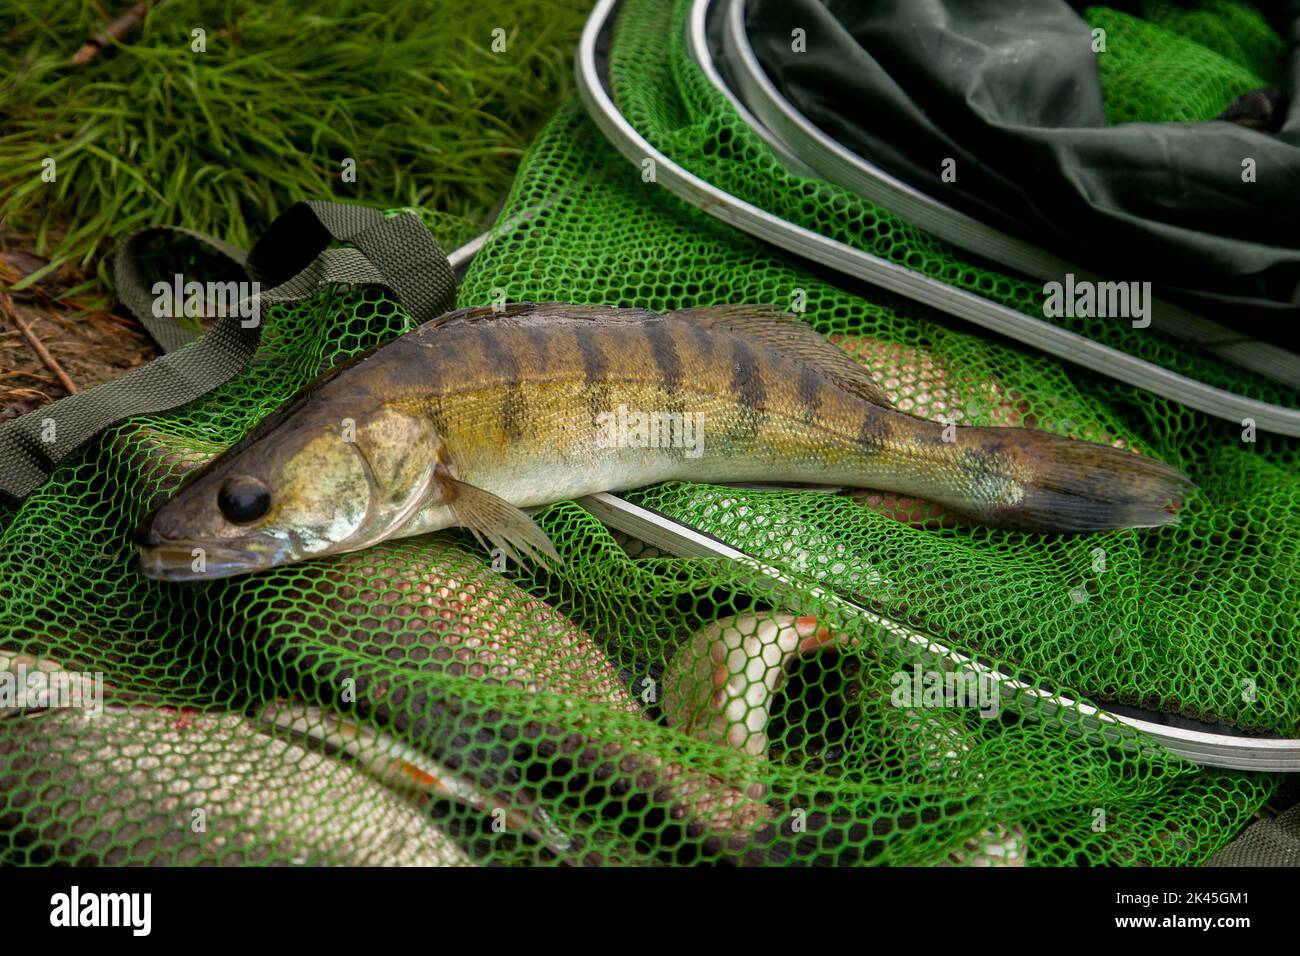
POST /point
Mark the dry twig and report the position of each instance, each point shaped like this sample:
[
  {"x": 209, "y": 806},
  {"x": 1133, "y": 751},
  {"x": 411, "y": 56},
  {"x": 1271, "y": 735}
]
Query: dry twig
[
  {"x": 117, "y": 30},
  {"x": 7, "y": 307}
]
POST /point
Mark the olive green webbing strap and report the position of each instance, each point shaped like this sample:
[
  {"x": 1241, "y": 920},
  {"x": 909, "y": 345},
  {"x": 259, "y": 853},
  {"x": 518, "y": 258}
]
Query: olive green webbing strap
[{"x": 291, "y": 259}]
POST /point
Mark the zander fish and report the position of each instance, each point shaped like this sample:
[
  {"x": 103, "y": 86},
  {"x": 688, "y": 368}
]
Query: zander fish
[{"x": 481, "y": 413}]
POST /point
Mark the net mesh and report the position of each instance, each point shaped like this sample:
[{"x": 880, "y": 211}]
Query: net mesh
[
  {"x": 1183, "y": 63},
  {"x": 1273, "y": 840},
  {"x": 413, "y": 703}
]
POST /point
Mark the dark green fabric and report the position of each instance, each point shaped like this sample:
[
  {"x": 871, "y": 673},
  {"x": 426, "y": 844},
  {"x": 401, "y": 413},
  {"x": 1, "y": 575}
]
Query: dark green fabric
[
  {"x": 1010, "y": 90},
  {"x": 1273, "y": 841},
  {"x": 291, "y": 257}
]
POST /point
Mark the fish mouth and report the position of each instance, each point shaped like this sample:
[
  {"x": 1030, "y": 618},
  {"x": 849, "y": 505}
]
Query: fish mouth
[{"x": 174, "y": 559}]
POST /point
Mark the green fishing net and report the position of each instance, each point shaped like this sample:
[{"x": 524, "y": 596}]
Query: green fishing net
[
  {"x": 676, "y": 108},
  {"x": 1183, "y": 63},
  {"x": 420, "y": 702}
]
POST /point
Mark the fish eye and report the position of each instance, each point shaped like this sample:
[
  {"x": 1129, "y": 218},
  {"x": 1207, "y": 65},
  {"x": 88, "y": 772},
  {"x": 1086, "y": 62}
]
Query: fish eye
[{"x": 243, "y": 499}]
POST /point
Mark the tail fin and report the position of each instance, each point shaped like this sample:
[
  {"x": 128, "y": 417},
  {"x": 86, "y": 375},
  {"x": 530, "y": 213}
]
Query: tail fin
[{"x": 1082, "y": 486}]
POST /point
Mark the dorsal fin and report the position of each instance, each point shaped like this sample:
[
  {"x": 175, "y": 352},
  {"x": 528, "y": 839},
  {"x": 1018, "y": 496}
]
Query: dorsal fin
[
  {"x": 769, "y": 327},
  {"x": 526, "y": 313}
]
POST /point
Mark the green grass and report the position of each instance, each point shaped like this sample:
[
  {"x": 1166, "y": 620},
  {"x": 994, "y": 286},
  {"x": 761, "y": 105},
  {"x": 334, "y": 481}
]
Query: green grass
[{"x": 222, "y": 141}]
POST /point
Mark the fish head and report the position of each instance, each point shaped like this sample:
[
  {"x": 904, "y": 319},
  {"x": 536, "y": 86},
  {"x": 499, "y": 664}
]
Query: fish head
[{"x": 308, "y": 482}]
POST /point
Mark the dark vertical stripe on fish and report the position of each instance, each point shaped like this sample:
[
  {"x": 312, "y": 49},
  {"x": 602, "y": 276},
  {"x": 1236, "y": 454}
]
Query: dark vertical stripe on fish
[
  {"x": 537, "y": 344},
  {"x": 503, "y": 363},
  {"x": 746, "y": 377},
  {"x": 661, "y": 338},
  {"x": 874, "y": 432},
  {"x": 595, "y": 366},
  {"x": 810, "y": 392},
  {"x": 663, "y": 349},
  {"x": 751, "y": 394},
  {"x": 704, "y": 339},
  {"x": 498, "y": 359}
]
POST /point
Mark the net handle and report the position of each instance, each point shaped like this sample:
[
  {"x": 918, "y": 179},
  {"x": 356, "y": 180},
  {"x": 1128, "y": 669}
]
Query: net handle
[{"x": 291, "y": 257}]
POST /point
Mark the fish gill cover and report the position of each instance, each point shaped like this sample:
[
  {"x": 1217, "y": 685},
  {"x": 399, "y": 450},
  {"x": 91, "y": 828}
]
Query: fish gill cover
[{"x": 627, "y": 707}]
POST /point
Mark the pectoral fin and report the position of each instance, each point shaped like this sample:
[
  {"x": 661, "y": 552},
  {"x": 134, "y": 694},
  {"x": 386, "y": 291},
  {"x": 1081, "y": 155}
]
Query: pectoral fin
[{"x": 498, "y": 521}]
